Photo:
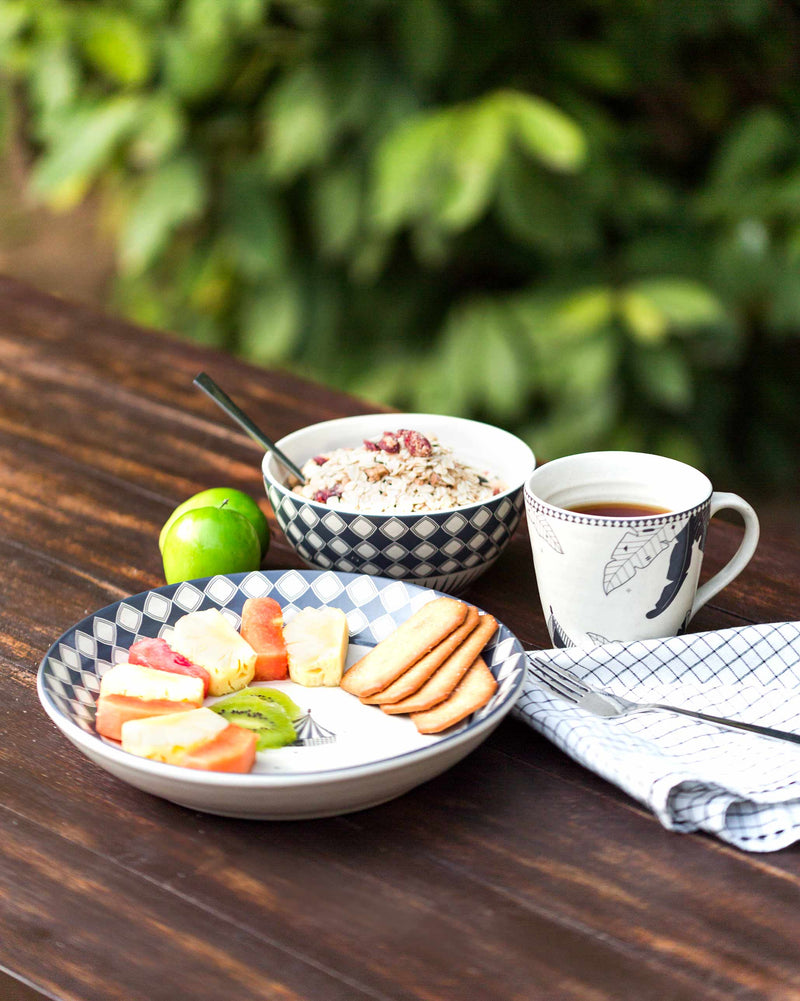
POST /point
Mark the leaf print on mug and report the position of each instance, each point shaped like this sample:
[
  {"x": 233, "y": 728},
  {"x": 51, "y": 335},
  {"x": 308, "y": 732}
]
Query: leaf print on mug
[
  {"x": 635, "y": 551},
  {"x": 545, "y": 531},
  {"x": 680, "y": 560}
]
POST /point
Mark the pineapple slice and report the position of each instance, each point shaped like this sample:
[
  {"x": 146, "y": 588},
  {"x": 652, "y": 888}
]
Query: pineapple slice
[
  {"x": 137, "y": 682},
  {"x": 316, "y": 642},
  {"x": 168, "y": 738},
  {"x": 208, "y": 639}
]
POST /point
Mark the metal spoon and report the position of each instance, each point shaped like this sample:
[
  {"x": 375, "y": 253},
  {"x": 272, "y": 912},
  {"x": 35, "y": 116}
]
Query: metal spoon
[{"x": 221, "y": 398}]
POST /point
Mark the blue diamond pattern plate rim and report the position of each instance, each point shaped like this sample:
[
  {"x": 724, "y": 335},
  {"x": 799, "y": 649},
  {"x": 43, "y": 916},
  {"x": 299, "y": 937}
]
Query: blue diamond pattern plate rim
[{"x": 68, "y": 678}]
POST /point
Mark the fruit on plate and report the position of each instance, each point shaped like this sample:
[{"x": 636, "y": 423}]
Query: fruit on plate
[
  {"x": 205, "y": 541},
  {"x": 262, "y": 627},
  {"x": 265, "y": 711},
  {"x": 198, "y": 739},
  {"x": 130, "y": 691},
  {"x": 157, "y": 654},
  {"x": 207, "y": 638},
  {"x": 235, "y": 500},
  {"x": 316, "y": 642}
]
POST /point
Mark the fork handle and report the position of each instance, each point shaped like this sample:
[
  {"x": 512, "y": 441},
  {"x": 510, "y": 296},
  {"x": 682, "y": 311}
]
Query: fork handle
[{"x": 765, "y": 731}]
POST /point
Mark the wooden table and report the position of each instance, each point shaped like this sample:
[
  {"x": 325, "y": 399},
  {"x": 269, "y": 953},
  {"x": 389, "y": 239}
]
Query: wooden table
[{"x": 515, "y": 875}]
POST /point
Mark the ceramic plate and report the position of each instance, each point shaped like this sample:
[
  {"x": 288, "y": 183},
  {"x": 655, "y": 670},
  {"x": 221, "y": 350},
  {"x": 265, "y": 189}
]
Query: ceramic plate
[{"x": 348, "y": 756}]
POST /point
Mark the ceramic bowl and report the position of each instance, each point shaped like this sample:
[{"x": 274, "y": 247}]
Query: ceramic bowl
[{"x": 446, "y": 550}]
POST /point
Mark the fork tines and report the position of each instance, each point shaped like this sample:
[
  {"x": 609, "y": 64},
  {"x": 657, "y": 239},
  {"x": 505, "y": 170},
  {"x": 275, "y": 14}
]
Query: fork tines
[{"x": 560, "y": 680}]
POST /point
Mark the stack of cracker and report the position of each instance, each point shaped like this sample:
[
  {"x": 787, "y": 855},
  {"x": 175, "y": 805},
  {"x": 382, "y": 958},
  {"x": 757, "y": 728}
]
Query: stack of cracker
[{"x": 430, "y": 667}]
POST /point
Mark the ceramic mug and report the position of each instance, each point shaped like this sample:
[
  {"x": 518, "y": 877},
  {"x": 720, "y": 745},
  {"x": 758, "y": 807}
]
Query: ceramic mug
[{"x": 603, "y": 578}]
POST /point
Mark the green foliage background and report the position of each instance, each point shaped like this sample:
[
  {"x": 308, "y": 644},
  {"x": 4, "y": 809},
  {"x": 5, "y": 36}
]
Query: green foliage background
[{"x": 580, "y": 221}]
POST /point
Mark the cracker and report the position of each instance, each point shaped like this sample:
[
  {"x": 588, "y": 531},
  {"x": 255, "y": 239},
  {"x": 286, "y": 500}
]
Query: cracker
[
  {"x": 442, "y": 683},
  {"x": 416, "y": 676},
  {"x": 474, "y": 691},
  {"x": 414, "y": 638}
]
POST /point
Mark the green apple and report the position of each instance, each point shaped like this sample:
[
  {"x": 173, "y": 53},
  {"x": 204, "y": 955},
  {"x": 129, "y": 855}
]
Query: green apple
[
  {"x": 236, "y": 500},
  {"x": 210, "y": 540}
]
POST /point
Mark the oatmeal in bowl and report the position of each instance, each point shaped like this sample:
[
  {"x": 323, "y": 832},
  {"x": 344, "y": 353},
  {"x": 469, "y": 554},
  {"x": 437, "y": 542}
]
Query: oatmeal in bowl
[
  {"x": 424, "y": 498},
  {"x": 396, "y": 472}
]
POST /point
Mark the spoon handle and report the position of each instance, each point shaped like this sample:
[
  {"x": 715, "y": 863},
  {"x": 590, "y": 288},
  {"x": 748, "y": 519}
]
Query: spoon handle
[{"x": 221, "y": 398}]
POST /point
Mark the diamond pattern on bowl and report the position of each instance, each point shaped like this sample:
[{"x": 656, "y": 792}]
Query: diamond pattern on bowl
[
  {"x": 292, "y": 584},
  {"x": 188, "y": 597},
  {"x": 255, "y": 586},
  {"x": 128, "y": 617},
  {"x": 424, "y": 528},
  {"x": 327, "y": 587},
  {"x": 86, "y": 644},
  {"x": 309, "y": 516},
  {"x": 388, "y": 545},
  {"x": 455, "y": 524},
  {"x": 334, "y": 523},
  {"x": 221, "y": 589},
  {"x": 363, "y": 527},
  {"x": 157, "y": 607}
]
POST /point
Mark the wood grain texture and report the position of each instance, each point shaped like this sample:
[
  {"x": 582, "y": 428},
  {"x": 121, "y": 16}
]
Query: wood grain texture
[{"x": 515, "y": 876}]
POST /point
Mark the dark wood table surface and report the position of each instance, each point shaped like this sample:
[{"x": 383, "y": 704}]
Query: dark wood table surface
[{"x": 515, "y": 875}]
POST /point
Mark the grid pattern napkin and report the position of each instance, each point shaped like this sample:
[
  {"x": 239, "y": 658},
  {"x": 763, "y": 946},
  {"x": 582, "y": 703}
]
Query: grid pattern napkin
[{"x": 741, "y": 787}]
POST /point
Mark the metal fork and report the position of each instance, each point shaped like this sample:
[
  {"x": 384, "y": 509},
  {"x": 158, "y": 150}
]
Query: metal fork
[{"x": 601, "y": 703}]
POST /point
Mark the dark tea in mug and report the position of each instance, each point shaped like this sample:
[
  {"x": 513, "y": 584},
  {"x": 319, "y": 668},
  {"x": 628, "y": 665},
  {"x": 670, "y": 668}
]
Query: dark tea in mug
[{"x": 619, "y": 509}]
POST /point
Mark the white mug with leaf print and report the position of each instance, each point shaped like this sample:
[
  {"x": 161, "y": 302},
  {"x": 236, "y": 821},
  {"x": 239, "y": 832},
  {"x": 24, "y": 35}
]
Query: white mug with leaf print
[{"x": 604, "y": 578}]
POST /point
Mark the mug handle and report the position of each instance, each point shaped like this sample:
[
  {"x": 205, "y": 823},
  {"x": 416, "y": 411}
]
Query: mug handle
[{"x": 740, "y": 558}]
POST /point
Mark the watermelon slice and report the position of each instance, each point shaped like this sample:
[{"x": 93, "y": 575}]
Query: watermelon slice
[
  {"x": 262, "y": 627},
  {"x": 156, "y": 653}
]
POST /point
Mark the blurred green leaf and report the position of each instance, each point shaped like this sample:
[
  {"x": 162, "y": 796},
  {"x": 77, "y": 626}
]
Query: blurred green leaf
[
  {"x": 54, "y": 84},
  {"x": 336, "y": 210},
  {"x": 572, "y": 425},
  {"x": 86, "y": 140},
  {"x": 14, "y": 15},
  {"x": 424, "y": 38},
  {"x": 403, "y": 165},
  {"x": 684, "y": 304},
  {"x": 194, "y": 68},
  {"x": 116, "y": 45},
  {"x": 169, "y": 198},
  {"x": 541, "y": 212},
  {"x": 271, "y": 321},
  {"x": 643, "y": 318},
  {"x": 296, "y": 119},
  {"x": 544, "y": 132},
  {"x": 256, "y": 224},
  {"x": 161, "y": 131},
  {"x": 475, "y": 146},
  {"x": 664, "y": 377},
  {"x": 754, "y": 147}
]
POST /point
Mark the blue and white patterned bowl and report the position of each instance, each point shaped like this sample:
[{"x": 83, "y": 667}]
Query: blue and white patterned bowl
[{"x": 446, "y": 550}]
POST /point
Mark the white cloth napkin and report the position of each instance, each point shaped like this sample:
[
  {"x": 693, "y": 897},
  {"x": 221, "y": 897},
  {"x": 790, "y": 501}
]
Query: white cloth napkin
[{"x": 741, "y": 787}]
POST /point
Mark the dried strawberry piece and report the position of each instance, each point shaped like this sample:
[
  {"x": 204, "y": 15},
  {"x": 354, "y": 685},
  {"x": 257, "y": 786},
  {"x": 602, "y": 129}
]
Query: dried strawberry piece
[
  {"x": 320, "y": 459},
  {"x": 388, "y": 442},
  {"x": 323, "y": 495},
  {"x": 416, "y": 443}
]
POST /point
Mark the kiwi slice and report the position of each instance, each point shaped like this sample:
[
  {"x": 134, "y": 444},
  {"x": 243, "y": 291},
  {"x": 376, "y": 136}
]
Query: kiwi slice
[
  {"x": 274, "y": 697},
  {"x": 266, "y": 718}
]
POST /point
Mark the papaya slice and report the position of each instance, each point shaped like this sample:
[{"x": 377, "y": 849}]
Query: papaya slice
[
  {"x": 114, "y": 710},
  {"x": 232, "y": 750},
  {"x": 262, "y": 627}
]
